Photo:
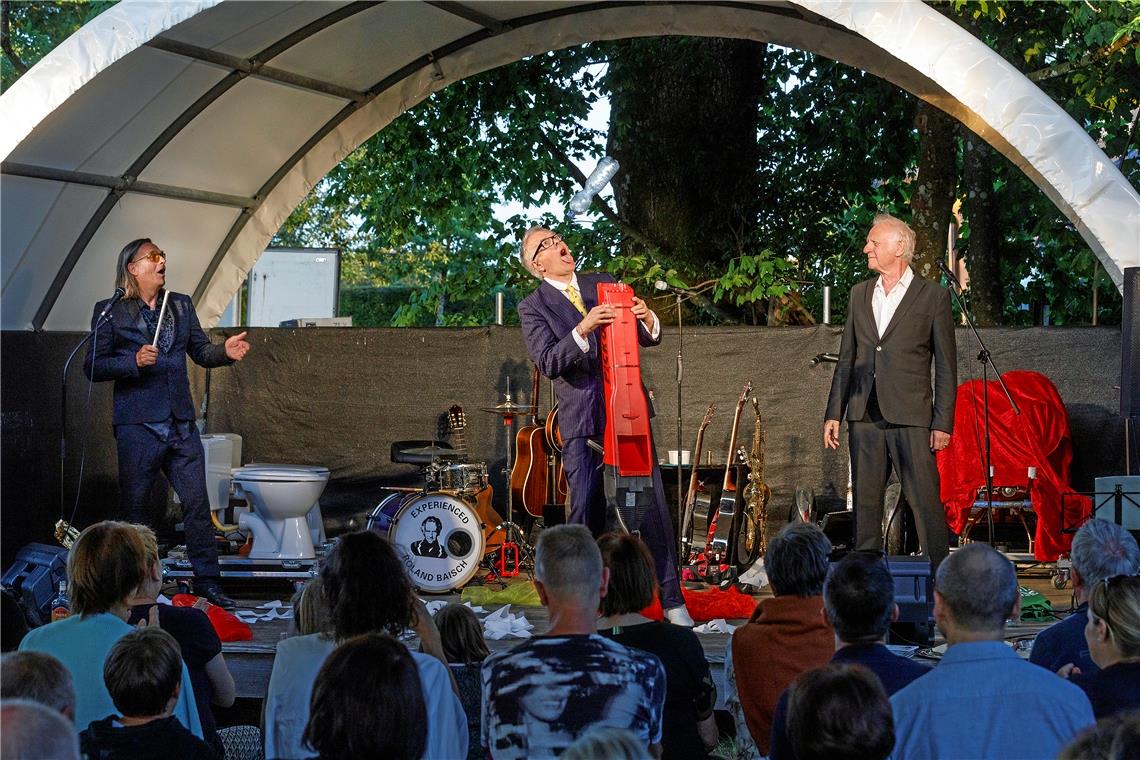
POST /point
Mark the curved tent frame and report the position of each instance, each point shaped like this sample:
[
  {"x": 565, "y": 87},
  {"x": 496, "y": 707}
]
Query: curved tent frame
[{"x": 204, "y": 123}]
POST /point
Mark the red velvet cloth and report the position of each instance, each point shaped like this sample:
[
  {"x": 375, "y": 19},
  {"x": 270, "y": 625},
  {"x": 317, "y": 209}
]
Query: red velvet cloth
[
  {"x": 1039, "y": 438},
  {"x": 226, "y": 624},
  {"x": 709, "y": 604}
]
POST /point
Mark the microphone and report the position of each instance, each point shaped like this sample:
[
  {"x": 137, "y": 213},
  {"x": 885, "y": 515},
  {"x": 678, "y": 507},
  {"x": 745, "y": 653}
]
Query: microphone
[
  {"x": 598, "y": 179},
  {"x": 946, "y": 271},
  {"x": 824, "y": 357},
  {"x": 119, "y": 293},
  {"x": 663, "y": 287}
]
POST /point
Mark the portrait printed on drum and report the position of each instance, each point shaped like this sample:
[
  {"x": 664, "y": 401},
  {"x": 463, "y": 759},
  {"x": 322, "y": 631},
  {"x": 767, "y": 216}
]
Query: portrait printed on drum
[{"x": 430, "y": 546}]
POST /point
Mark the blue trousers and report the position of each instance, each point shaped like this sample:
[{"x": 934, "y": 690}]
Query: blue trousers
[
  {"x": 588, "y": 507},
  {"x": 142, "y": 455}
]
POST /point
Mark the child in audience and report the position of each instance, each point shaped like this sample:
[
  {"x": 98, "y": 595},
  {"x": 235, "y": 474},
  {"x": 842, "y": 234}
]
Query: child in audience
[
  {"x": 310, "y": 611},
  {"x": 367, "y": 703},
  {"x": 461, "y": 634},
  {"x": 143, "y": 673},
  {"x": 840, "y": 712}
]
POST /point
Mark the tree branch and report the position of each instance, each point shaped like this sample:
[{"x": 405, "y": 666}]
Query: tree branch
[
  {"x": 6, "y": 40},
  {"x": 1050, "y": 72}
]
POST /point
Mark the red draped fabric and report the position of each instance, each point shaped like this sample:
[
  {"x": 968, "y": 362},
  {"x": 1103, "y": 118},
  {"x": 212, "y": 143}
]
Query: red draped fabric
[{"x": 1039, "y": 438}]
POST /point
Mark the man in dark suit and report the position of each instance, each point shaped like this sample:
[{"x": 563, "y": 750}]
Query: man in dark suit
[
  {"x": 560, "y": 320},
  {"x": 897, "y": 326},
  {"x": 153, "y": 412}
]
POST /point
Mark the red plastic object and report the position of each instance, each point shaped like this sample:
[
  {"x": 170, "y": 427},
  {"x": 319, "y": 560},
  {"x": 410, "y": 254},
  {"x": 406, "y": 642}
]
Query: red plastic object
[
  {"x": 628, "y": 441},
  {"x": 226, "y": 625},
  {"x": 509, "y": 559}
]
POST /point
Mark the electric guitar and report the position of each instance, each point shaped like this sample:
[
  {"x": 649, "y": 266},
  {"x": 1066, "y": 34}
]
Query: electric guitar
[
  {"x": 720, "y": 526},
  {"x": 691, "y": 496}
]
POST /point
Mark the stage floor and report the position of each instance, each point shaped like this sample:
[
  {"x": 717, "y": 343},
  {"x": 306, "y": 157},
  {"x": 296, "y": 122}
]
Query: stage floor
[{"x": 251, "y": 662}]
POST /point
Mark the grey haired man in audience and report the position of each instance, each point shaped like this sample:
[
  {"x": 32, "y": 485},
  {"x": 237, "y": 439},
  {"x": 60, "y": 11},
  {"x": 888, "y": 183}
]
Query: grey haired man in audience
[{"x": 39, "y": 677}]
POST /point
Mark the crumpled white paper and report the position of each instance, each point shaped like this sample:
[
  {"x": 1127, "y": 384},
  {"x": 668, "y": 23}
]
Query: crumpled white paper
[
  {"x": 719, "y": 625},
  {"x": 275, "y": 610},
  {"x": 436, "y": 605},
  {"x": 502, "y": 623},
  {"x": 756, "y": 575}
]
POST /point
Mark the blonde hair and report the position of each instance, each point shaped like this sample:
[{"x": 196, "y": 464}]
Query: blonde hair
[
  {"x": 902, "y": 229},
  {"x": 149, "y": 541},
  {"x": 310, "y": 609},
  {"x": 1119, "y": 608}
]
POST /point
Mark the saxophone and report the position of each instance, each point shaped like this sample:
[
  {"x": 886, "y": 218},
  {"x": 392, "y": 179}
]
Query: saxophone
[{"x": 754, "y": 538}]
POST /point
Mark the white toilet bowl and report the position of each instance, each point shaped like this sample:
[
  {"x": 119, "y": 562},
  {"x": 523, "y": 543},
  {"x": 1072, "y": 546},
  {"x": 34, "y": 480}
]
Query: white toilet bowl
[{"x": 281, "y": 497}]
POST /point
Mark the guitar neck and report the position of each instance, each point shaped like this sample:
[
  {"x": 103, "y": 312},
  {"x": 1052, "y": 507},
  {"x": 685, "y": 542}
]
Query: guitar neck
[{"x": 731, "y": 451}]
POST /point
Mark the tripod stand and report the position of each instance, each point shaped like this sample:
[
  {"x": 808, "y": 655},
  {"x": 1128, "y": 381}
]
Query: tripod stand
[{"x": 515, "y": 547}]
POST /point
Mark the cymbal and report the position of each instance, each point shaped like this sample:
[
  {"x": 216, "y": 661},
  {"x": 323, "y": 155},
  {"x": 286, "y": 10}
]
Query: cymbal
[
  {"x": 436, "y": 452},
  {"x": 509, "y": 409}
]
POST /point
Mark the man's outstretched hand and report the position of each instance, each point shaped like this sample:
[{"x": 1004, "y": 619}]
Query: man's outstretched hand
[{"x": 237, "y": 347}]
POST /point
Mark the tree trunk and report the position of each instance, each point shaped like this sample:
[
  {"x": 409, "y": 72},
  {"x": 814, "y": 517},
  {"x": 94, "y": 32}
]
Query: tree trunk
[
  {"x": 683, "y": 126},
  {"x": 932, "y": 199},
  {"x": 983, "y": 254}
]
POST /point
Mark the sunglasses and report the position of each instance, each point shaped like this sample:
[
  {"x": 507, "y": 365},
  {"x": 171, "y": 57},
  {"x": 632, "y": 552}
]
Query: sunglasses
[
  {"x": 545, "y": 243},
  {"x": 155, "y": 256}
]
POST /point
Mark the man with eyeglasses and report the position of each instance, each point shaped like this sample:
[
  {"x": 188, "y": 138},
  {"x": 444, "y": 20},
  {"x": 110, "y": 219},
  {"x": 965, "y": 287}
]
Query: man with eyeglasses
[
  {"x": 153, "y": 411},
  {"x": 560, "y": 320}
]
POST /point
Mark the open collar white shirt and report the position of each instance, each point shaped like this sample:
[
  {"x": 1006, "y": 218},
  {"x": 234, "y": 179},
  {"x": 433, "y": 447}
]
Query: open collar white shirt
[{"x": 884, "y": 304}]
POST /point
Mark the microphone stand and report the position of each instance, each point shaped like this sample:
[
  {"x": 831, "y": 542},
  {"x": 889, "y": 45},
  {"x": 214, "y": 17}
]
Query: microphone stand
[
  {"x": 103, "y": 319},
  {"x": 680, "y": 445},
  {"x": 987, "y": 361}
]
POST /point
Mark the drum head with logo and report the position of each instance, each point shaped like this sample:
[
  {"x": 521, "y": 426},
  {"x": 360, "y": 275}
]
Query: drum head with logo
[{"x": 440, "y": 541}]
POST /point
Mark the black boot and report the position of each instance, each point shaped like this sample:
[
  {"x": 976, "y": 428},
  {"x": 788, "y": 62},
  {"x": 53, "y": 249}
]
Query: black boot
[{"x": 208, "y": 589}]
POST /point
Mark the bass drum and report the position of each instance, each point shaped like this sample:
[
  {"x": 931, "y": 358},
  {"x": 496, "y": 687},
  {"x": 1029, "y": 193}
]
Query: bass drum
[{"x": 438, "y": 537}]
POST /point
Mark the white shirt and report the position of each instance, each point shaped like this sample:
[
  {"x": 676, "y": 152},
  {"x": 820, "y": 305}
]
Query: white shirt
[
  {"x": 582, "y": 342},
  {"x": 295, "y": 668},
  {"x": 885, "y": 304}
]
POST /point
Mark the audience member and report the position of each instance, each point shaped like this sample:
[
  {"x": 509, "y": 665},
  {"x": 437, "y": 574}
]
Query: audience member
[
  {"x": 1101, "y": 549},
  {"x": 367, "y": 591},
  {"x": 786, "y": 636},
  {"x": 13, "y": 623},
  {"x": 543, "y": 694},
  {"x": 310, "y": 610},
  {"x": 689, "y": 729},
  {"x": 198, "y": 641},
  {"x": 461, "y": 634},
  {"x": 607, "y": 743},
  {"x": 40, "y": 678},
  {"x": 367, "y": 702},
  {"x": 1116, "y": 737},
  {"x": 840, "y": 712},
  {"x": 143, "y": 672},
  {"x": 106, "y": 565},
  {"x": 32, "y": 731},
  {"x": 1113, "y": 634},
  {"x": 859, "y": 602},
  {"x": 983, "y": 701}
]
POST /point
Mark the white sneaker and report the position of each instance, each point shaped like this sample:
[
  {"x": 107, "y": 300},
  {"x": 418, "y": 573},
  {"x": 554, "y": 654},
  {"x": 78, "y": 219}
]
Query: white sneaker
[{"x": 680, "y": 616}]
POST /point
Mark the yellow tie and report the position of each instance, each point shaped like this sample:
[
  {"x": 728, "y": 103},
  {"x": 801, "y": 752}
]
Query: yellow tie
[{"x": 579, "y": 304}]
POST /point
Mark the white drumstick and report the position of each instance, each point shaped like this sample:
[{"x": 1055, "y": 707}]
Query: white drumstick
[{"x": 161, "y": 315}]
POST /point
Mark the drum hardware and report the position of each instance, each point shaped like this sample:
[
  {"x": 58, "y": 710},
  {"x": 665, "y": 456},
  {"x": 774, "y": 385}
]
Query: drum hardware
[
  {"x": 515, "y": 544},
  {"x": 438, "y": 453}
]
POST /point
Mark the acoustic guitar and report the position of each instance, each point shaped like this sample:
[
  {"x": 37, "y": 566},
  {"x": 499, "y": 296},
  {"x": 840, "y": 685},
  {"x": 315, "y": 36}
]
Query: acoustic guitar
[
  {"x": 721, "y": 522},
  {"x": 531, "y": 473},
  {"x": 691, "y": 495}
]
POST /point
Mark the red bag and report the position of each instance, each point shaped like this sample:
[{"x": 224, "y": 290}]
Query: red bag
[{"x": 226, "y": 624}]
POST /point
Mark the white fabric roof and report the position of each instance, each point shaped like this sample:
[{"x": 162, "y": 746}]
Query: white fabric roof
[{"x": 204, "y": 123}]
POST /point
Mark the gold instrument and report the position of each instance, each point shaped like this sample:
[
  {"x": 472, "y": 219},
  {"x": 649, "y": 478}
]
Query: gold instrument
[
  {"x": 65, "y": 534},
  {"x": 753, "y": 540}
]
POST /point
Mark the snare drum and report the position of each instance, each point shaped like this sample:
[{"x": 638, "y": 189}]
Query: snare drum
[
  {"x": 464, "y": 478},
  {"x": 438, "y": 537}
]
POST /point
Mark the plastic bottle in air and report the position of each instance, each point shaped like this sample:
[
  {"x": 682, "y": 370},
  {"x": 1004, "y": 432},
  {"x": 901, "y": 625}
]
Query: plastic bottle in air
[{"x": 597, "y": 180}]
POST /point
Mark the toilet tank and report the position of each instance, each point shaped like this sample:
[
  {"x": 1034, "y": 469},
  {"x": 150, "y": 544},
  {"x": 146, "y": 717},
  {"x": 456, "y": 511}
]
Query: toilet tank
[{"x": 219, "y": 451}]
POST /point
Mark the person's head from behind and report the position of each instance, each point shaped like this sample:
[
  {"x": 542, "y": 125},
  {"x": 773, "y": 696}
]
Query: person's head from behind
[
  {"x": 975, "y": 591},
  {"x": 310, "y": 609},
  {"x": 1102, "y": 549},
  {"x": 32, "y": 731},
  {"x": 1116, "y": 737},
  {"x": 461, "y": 634},
  {"x": 608, "y": 743},
  {"x": 568, "y": 567},
  {"x": 107, "y": 564},
  {"x": 38, "y": 677},
  {"x": 633, "y": 583},
  {"x": 797, "y": 560},
  {"x": 143, "y": 673},
  {"x": 366, "y": 587},
  {"x": 1113, "y": 628},
  {"x": 368, "y": 702},
  {"x": 152, "y": 585},
  {"x": 859, "y": 598},
  {"x": 840, "y": 712}
]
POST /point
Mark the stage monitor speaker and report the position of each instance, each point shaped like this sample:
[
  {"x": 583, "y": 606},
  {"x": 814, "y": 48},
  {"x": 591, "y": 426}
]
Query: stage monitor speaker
[
  {"x": 839, "y": 527},
  {"x": 1130, "y": 346},
  {"x": 34, "y": 577},
  {"x": 914, "y": 594}
]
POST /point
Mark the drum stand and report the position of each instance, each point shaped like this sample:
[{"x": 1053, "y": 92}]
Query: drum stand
[{"x": 515, "y": 540}]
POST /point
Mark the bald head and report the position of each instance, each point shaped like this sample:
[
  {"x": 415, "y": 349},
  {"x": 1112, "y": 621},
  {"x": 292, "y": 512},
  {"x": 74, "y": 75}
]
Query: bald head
[{"x": 978, "y": 587}]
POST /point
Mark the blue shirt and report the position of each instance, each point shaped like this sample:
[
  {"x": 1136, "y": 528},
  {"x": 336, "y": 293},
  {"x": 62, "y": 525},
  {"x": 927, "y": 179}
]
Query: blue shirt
[
  {"x": 1064, "y": 642},
  {"x": 82, "y": 645},
  {"x": 983, "y": 701}
]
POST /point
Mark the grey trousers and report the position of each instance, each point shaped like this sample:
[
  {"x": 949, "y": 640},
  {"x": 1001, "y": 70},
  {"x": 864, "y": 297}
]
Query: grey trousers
[{"x": 876, "y": 447}]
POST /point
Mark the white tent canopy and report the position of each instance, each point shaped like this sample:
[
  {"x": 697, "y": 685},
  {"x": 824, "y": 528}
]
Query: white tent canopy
[{"x": 203, "y": 124}]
